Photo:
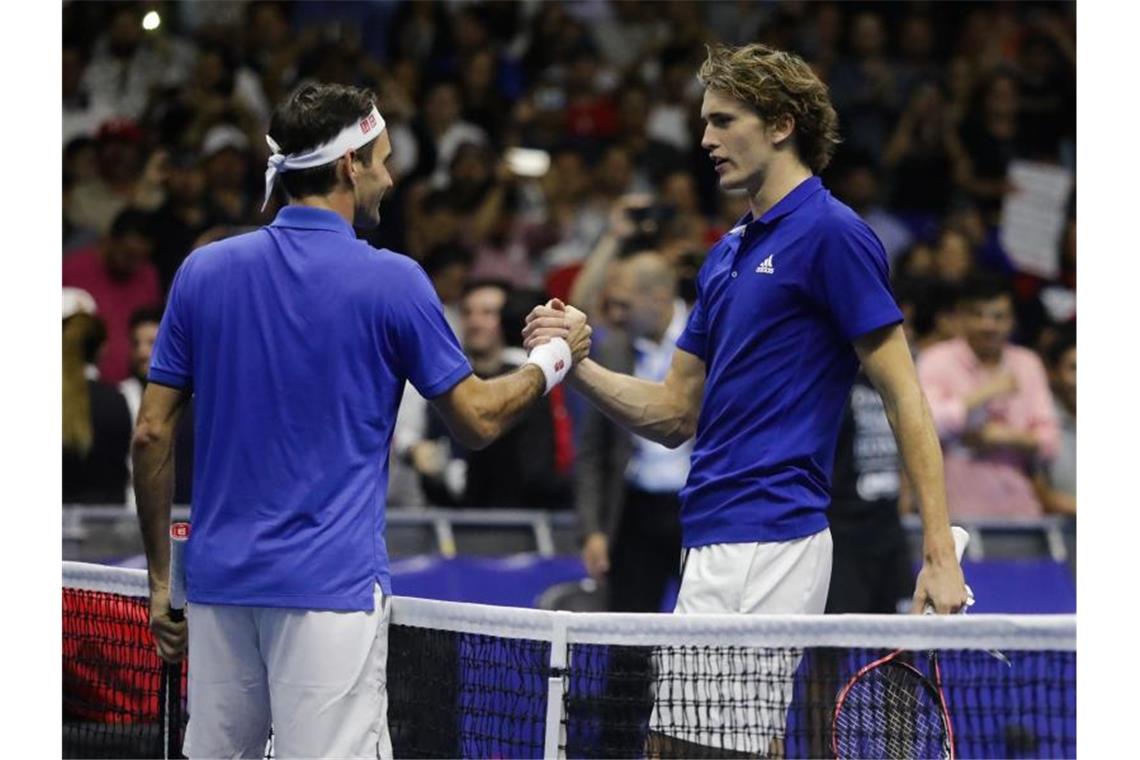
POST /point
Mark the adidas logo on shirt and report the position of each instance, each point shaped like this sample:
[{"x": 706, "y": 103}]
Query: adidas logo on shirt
[{"x": 766, "y": 267}]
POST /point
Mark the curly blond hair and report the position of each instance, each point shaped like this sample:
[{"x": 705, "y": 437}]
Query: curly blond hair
[{"x": 778, "y": 84}]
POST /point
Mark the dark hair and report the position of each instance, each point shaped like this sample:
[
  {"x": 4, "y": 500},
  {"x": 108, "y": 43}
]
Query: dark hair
[
  {"x": 1066, "y": 339},
  {"x": 487, "y": 282},
  {"x": 311, "y": 115},
  {"x": 984, "y": 286},
  {"x": 133, "y": 221},
  {"x": 145, "y": 315}
]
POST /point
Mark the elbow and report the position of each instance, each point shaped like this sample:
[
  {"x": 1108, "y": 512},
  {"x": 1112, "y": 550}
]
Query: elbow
[
  {"x": 478, "y": 436},
  {"x": 682, "y": 433},
  {"x": 145, "y": 437},
  {"x": 149, "y": 439}
]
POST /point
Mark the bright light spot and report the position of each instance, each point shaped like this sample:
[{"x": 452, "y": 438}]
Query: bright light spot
[{"x": 151, "y": 21}]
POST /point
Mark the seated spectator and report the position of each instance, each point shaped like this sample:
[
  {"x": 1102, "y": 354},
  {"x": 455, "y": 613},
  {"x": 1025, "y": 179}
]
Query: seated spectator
[
  {"x": 441, "y": 131},
  {"x": 144, "y": 332},
  {"x": 448, "y": 266},
  {"x": 992, "y": 408},
  {"x": 1057, "y": 483},
  {"x": 225, "y": 160},
  {"x": 125, "y": 178},
  {"x": 920, "y": 157},
  {"x": 528, "y": 450},
  {"x": 96, "y": 422},
  {"x": 953, "y": 256},
  {"x": 183, "y": 217},
  {"x": 119, "y": 276}
]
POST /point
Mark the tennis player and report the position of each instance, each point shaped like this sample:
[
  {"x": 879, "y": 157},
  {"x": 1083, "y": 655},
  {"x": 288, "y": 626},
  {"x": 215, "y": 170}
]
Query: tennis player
[
  {"x": 790, "y": 302},
  {"x": 296, "y": 341}
]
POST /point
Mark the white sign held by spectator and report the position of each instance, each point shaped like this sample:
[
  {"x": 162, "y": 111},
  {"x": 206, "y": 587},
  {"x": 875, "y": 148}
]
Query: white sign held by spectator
[{"x": 1033, "y": 217}]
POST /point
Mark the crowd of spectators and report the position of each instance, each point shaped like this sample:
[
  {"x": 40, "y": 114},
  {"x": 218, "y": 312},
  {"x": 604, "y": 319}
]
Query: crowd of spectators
[{"x": 164, "y": 150}]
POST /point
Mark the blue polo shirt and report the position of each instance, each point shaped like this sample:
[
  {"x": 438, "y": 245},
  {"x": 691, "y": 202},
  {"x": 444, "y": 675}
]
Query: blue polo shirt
[
  {"x": 780, "y": 300},
  {"x": 296, "y": 340}
]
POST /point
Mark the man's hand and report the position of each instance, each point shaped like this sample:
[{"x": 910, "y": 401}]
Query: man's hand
[
  {"x": 169, "y": 634},
  {"x": 579, "y": 339},
  {"x": 941, "y": 585},
  {"x": 1000, "y": 385},
  {"x": 596, "y": 555},
  {"x": 553, "y": 319}
]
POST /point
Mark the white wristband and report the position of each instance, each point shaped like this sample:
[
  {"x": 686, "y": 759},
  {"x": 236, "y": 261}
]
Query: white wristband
[{"x": 554, "y": 359}]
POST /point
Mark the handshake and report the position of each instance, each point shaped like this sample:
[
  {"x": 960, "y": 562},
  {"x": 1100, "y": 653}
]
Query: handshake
[{"x": 556, "y": 337}]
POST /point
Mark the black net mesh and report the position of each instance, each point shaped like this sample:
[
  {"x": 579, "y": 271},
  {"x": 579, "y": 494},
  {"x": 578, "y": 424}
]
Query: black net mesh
[
  {"x": 115, "y": 687},
  {"x": 760, "y": 702},
  {"x": 455, "y": 694}
]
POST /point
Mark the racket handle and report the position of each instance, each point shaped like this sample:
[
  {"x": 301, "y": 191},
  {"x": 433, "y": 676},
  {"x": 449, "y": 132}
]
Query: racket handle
[
  {"x": 179, "y": 535},
  {"x": 961, "y": 538}
]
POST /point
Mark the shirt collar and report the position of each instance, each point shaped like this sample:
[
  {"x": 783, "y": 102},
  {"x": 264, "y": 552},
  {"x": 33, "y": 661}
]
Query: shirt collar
[
  {"x": 310, "y": 218},
  {"x": 784, "y": 206}
]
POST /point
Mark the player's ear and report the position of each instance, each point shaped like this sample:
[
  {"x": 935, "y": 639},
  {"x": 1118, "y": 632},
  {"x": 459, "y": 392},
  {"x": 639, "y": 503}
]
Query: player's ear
[
  {"x": 781, "y": 128},
  {"x": 346, "y": 168}
]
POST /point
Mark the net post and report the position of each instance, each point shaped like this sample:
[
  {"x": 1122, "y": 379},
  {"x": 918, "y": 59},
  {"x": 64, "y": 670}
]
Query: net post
[{"x": 556, "y": 687}]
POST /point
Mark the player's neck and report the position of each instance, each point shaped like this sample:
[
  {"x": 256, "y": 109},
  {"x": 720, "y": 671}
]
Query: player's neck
[
  {"x": 785, "y": 173},
  {"x": 341, "y": 204}
]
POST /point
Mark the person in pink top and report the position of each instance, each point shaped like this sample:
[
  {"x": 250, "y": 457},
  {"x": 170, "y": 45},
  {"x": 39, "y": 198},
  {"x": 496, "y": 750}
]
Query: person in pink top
[
  {"x": 992, "y": 408},
  {"x": 120, "y": 277}
]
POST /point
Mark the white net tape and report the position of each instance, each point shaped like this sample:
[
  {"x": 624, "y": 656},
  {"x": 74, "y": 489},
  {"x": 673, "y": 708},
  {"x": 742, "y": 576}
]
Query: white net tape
[{"x": 1003, "y": 632}]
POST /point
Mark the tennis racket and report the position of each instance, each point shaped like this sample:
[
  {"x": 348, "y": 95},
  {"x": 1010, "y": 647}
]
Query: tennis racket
[
  {"x": 890, "y": 709},
  {"x": 171, "y": 681}
]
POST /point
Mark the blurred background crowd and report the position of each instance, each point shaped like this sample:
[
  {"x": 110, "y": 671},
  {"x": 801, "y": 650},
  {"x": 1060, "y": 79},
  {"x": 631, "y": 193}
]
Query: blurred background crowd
[{"x": 612, "y": 206}]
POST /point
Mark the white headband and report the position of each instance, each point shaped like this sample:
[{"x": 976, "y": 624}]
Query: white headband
[{"x": 352, "y": 137}]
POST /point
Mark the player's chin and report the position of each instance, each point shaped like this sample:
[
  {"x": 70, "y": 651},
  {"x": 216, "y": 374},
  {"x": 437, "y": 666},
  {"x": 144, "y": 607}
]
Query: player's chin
[{"x": 729, "y": 182}]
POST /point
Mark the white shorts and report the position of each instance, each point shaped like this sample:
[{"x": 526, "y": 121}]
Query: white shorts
[
  {"x": 745, "y": 708},
  {"x": 319, "y": 677}
]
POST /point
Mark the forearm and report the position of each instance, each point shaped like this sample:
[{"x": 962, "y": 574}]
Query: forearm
[
  {"x": 921, "y": 455},
  {"x": 644, "y": 408},
  {"x": 153, "y": 458},
  {"x": 500, "y": 402}
]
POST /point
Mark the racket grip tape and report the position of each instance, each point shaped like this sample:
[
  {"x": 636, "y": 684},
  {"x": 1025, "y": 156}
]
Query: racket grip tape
[{"x": 179, "y": 535}]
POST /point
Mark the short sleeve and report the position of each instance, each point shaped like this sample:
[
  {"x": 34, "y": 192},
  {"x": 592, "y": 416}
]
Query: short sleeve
[
  {"x": 427, "y": 351},
  {"x": 694, "y": 338},
  {"x": 172, "y": 361},
  {"x": 852, "y": 280}
]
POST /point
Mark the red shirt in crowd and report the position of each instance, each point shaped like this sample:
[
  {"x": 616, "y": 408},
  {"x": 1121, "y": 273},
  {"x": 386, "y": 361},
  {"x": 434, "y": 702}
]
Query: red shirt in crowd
[{"x": 116, "y": 299}]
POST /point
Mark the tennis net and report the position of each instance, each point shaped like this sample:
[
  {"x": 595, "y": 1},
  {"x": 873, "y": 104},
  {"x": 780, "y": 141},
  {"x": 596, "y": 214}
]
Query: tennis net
[{"x": 479, "y": 681}]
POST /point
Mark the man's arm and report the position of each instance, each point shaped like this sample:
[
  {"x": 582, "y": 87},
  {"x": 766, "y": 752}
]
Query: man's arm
[
  {"x": 887, "y": 362},
  {"x": 479, "y": 411},
  {"x": 152, "y": 453},
  {"x": 662, "y": 412}
]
